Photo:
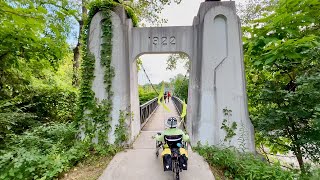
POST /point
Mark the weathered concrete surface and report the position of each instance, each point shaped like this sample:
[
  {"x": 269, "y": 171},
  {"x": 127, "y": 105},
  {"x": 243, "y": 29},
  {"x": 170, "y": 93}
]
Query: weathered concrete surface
[
  {"x": 138, "y": 164},
  {"x": 162, "y": 40},
  {"x": 121, "y": 82},
  {"x": 94, "y": 44},
  {"x": 135, "y": 126},
  {"x": 222, "y": 77},
  {"x": 121, "y": 85},
  {"x": 141, "y": 162},
  {"x": 217, "y": 78}
]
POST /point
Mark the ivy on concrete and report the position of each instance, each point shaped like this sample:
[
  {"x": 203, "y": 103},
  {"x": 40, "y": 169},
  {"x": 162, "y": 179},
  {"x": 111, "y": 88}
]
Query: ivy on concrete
[
  {"x": 230, "y": 129},
  {"x": 94, "y": 117},
  {"x": 121, "y": 131}
]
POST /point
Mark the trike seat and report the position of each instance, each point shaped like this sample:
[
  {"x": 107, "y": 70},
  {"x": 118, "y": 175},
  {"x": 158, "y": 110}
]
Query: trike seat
[{"x": 173, "y": 140}]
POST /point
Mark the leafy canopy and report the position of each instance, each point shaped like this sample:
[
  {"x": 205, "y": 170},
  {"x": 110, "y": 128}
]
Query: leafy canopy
[{"x": 282, "y": 61}]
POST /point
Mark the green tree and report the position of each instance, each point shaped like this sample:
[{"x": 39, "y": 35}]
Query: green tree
[
  {"x": 30, "y": 30},
  {"x": 146, "y": 93},
  {"x": 33, "y": 48},
  {"x": 253, "y": 9},
  {"x": 282, "y": 60},
  {"x": 149, "y": 11},
  {"x": 180, "y": 86},
  {"x": 182, "y": 58}
]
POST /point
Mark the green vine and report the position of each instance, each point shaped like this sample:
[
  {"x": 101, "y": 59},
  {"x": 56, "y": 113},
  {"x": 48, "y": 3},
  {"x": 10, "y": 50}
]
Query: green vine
[
  {"x": 228, "y": 128},
  {"x": 242, "y": 138},
  {"x": 94, "y": 117},
  {"x": 121, "y": 131}
]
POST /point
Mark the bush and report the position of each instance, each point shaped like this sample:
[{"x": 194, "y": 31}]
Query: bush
[
  {"x": 146, "y": 94},
  {"x": 15, "y": 123},
  {"x": 315, "y": 174},
  {"x": 52, "y": 104},
  {"x": 145, "y": 97},
  {"x": 44, "y": 152},
  {"x": 312, "y": 173},
  {"x": 242, "y": 166},
  {"x": 35, "y": 107}
]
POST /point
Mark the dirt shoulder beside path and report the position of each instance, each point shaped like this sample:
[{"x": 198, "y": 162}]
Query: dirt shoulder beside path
[{"x": 90, "y": 169}]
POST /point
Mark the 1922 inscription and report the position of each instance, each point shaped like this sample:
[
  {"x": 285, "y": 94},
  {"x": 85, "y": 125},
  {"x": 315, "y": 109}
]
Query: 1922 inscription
[{"x": 164, "y": 41}]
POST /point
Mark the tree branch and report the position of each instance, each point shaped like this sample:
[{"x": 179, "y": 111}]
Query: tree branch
[
  {"x": 284, "y": 71},
  {"x": 65, "y": 9}
]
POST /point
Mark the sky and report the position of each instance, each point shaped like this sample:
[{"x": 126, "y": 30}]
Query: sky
[{"x": 155, "y": 64}]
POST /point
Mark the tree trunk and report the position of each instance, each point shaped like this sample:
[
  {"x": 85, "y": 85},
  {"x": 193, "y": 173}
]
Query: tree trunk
[
  {"x": 76, "y": 50},
  {"x": 76, "y": 64},
  {"x": 296, "y": 144},
  {"x": 299, "y": 158}
]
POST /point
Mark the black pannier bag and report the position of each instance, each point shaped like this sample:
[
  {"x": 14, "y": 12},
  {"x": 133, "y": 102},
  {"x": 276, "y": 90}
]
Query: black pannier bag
[
  {"x": 167, "y": 162},
  {"x": 183, "y": 161}
]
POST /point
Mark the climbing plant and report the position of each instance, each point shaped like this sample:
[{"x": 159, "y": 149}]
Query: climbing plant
[
  {"x": 121, "y": 130},
  {"x": 228, "y": 128},
  {"x": 94, "y": 117},
  {"x": 243, "y": 133}
]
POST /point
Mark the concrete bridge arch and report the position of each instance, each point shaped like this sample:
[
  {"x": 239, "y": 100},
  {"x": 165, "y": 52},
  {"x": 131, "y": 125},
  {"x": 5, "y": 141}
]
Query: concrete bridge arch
[{"x": 217, "y": 79}]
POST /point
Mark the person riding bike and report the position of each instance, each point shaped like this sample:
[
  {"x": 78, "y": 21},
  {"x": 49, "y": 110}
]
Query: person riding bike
[{"x": 172, "y": 138}]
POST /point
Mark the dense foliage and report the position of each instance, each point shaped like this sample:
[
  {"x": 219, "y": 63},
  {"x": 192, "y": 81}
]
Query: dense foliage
[
  {"x": 282, "y": 60},
  {"x": 180, "y": 86},
  {"x": 37, "y": 101},
  {"x": 242, "y": 166},
  {"x": 146, "y": 93},
  {"x": 34, "y": 63},
  {"x": 44, "y": 152},
  {"x": 236, "y": 165}
]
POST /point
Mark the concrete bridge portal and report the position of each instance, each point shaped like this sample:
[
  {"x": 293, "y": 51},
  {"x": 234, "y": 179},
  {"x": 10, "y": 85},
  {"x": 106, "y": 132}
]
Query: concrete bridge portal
[{"x": 217, "y": 78}]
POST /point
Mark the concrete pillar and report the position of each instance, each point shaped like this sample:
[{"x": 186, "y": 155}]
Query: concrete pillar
[
  {"x": 194, "y": 87},
  {"x": 222, "y": 84},
  {"x": 121, "y": 80},
  {"x": 134, "y": 93}
]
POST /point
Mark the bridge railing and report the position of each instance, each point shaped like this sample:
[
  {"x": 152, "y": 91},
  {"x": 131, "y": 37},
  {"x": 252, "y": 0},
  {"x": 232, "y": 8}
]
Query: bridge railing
[
  {"x": 147, "y": 109},
  {"x": 179, "y": 105}
]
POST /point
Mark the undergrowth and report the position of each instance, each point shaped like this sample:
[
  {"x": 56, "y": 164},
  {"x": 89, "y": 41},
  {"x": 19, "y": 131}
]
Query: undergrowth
[
  {"x": 46, "y": 151},
  {"x": 235, "y": 165},
  {"x": 229, "y": 163}
]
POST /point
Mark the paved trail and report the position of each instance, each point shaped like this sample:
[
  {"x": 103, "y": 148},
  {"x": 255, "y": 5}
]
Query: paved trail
[{"x": 141, "y": 163}]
